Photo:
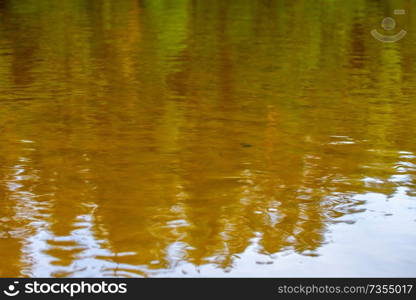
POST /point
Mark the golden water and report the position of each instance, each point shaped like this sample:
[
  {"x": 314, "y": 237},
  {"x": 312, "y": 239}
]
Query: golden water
[{"x": 206, "y": 138}]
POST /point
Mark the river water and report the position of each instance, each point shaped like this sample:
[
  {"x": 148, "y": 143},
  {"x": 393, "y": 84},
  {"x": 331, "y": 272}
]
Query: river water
[{"x": 206, "y": 138}]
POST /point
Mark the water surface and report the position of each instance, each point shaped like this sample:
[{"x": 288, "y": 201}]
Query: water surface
[{"x": 206, "y": 138}]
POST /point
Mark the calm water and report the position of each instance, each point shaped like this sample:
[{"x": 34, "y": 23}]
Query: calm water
[{"x": 206, "y": 138}]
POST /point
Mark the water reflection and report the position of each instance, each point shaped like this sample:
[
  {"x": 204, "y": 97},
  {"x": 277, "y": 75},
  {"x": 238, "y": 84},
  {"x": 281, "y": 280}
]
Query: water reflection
[{"x": 205, "y": 138}]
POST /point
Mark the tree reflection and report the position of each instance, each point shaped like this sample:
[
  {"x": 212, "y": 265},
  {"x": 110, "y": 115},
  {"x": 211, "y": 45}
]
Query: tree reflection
[{"x": 138, "y": 135}]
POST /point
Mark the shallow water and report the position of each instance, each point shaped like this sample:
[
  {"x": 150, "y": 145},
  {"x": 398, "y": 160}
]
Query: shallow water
[{"x": 206, "y": 138}]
